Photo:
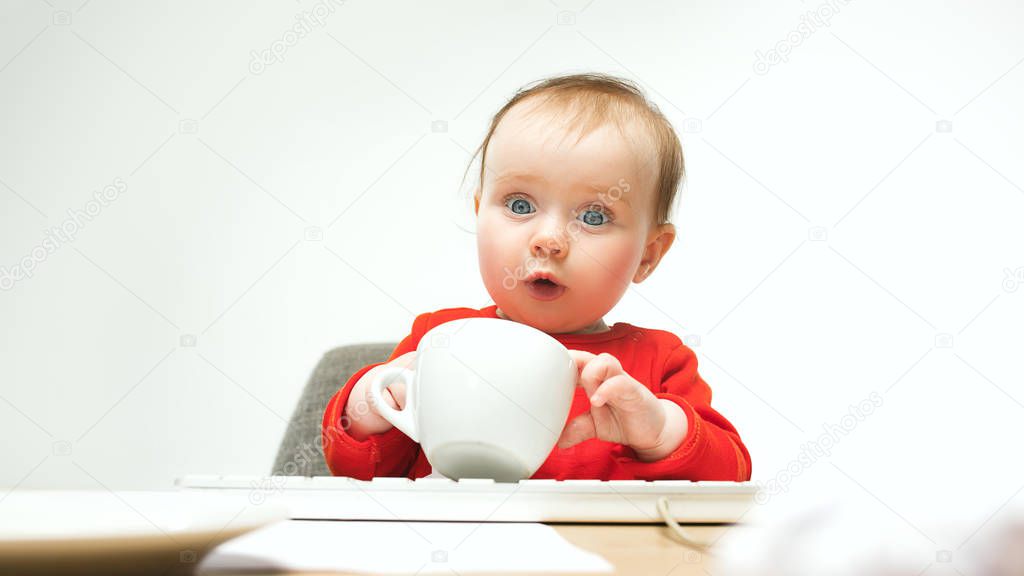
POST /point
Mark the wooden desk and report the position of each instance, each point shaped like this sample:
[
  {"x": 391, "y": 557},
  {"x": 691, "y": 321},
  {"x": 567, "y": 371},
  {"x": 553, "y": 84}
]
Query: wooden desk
[
  {"x": 631, "y": 548},
  {"x": 148, "y": 548},
  {"x": 644, "y": 548}
]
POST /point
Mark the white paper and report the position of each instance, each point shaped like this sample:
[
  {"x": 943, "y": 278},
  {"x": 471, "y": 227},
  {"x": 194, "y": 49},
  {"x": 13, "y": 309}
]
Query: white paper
[{"x": 403, "y": 547}]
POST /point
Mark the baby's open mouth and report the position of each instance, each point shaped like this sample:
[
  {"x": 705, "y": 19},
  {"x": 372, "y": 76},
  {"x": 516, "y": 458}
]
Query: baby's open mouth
[{"x": 544, "y": 289}]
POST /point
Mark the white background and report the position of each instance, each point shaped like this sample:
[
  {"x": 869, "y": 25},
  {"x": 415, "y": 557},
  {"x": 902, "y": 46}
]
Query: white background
[{"x": 834, "y": 239}]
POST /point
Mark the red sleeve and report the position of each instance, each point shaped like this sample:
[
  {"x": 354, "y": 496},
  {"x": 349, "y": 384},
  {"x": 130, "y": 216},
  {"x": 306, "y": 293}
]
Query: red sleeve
[
  {"x": 389, "y": 453},
  {"x": 711, "y": 449}
]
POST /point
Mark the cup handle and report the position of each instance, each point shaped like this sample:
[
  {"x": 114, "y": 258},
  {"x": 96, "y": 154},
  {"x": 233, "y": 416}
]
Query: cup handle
[{"x": 401, "y": 419}]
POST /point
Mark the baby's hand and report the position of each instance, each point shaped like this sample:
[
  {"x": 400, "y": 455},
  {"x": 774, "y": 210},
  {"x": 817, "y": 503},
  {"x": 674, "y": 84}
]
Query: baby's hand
[
  {"x": 363, "y": 415},
  {"x": 622, "y": 409}
]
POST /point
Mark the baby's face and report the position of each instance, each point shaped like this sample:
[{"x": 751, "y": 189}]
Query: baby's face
[{"x": 581, "y": 212}]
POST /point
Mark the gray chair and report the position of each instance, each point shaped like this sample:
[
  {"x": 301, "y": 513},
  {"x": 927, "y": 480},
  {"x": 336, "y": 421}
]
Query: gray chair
[{"x": 301, "y": 451}]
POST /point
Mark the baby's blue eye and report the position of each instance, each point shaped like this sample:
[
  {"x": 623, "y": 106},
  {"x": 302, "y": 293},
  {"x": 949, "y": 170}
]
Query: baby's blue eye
[
  {"x": 590, "y": 217},
  {"x": 595, "y": 217},
  {"x": 518, "y": 204}
]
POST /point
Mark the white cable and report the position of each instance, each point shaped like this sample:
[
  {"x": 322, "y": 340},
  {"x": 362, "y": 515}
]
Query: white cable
[{"x": 677, "y": 529}]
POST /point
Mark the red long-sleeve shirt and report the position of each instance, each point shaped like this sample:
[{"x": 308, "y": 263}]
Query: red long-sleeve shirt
[{"x": 711, "y": 449}]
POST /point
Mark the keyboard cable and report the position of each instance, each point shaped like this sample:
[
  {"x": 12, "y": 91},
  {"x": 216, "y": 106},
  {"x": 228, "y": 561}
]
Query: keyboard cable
[{"x": 676, "y": 529}]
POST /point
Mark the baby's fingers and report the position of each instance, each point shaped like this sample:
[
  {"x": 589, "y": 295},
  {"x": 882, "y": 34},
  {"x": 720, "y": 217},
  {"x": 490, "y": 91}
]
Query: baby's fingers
[
  {"x": 620, "y": 391},
  {"x": 577, "y": 430},
  {"x": 581, "y": 358},
  {"x": 393, "y": 394},
  {"x": 397, "y": 391},
  {"x": 597, "y": 370}
]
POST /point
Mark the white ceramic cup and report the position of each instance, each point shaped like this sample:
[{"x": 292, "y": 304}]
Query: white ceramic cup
[{"x": 488, "y": 397}]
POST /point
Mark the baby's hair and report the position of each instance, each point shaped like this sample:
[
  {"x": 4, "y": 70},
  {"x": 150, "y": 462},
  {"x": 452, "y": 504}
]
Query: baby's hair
[{"x": 596, "y": 99}]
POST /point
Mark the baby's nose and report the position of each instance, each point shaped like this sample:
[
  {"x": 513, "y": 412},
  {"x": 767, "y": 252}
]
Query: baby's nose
[{"x": 549, "y": 246}]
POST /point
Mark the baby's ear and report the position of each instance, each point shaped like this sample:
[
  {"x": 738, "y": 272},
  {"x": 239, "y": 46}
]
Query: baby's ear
[{"x": 663, "y": 237}]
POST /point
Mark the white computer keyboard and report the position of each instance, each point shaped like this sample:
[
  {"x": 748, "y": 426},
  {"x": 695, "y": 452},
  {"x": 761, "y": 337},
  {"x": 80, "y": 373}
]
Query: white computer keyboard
[{"x": 484, "y": 500}]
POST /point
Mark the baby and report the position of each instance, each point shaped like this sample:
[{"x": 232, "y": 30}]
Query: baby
[{"x": 577, "y": 176}]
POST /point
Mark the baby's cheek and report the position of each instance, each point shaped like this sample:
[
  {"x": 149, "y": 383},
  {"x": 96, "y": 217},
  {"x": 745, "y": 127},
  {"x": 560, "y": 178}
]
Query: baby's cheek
[
  {"x": 496, "y": 248},
  {"x": 486, "y": 243},
  {"x": 617, "y": 264},
  {"x": 492, "y": 260}
]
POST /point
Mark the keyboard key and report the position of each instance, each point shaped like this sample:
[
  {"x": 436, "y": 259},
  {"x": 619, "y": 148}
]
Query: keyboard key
[
  {"x": 333, "y": 482},
  {"x": 391, "y": 482},
  {"x": 628, "y": 484},
  {"x": 672, "y": 484},
  {"x": 442, "y": 483}
]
